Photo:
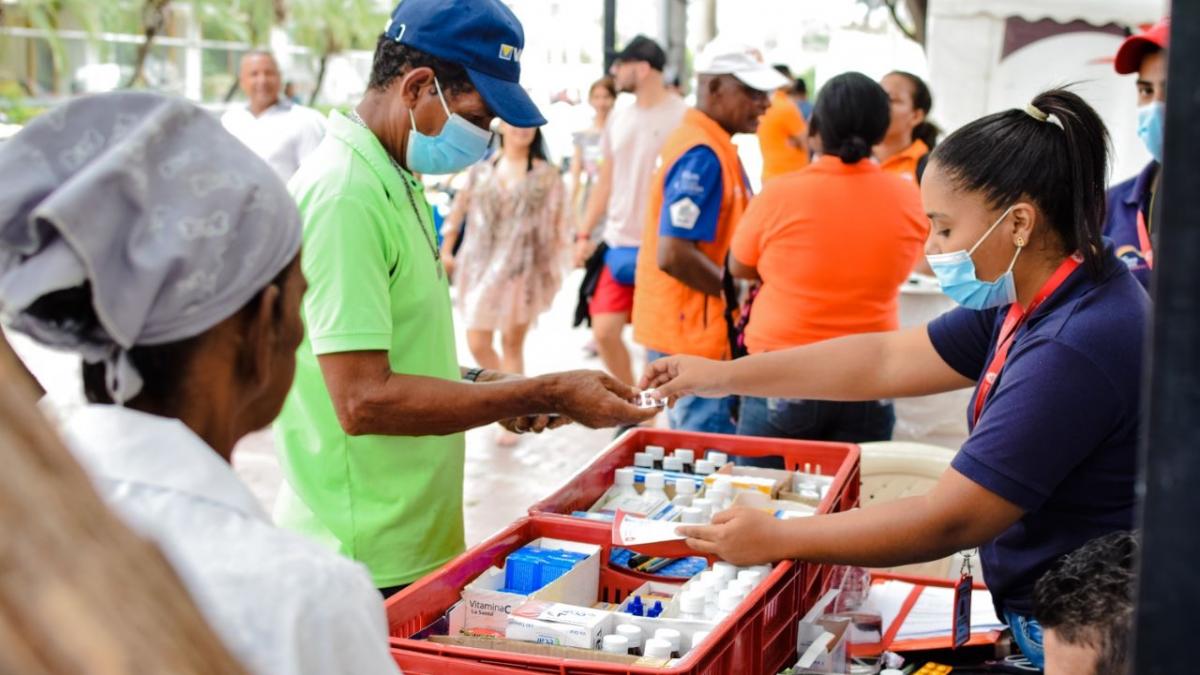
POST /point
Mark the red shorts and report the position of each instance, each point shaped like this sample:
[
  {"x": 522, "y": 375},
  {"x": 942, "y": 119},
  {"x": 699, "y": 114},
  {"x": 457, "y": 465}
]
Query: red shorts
[{"x": 611, "y": 296}]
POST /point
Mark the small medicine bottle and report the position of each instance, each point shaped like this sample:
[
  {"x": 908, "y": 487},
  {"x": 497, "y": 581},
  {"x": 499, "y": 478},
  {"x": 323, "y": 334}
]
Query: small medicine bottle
[
  {"x": 685, "y": 487},
  {"x": 706, "y": 507},
  {"x": 643, "y": 460},
  {"x": 633, "y": 637},
  {"x": 688, "y": 457},
  {"x": 691, "y": 515},
  {"x": 728, "y": 600},
  {"x": 743, "y": 588},
  {"x": 691, "y": 605},
  {"x": 657, "y": 649},
  {"x": 654, "y": 486},
  {"x": 657, "y": 452},
  {"x": 752, "y": 576},
  {"x": 705, "y": 467},
  {"x": 672, "y": 464},
  {"x": 615, "y": 644},
  {"x": 671, "y": 637},
  {"x": 698, "y": 637},
  {"x": 719, "y": 459},
  {"x": 721, "y": 493},
  {"x": 708, "y": 588},
  {"x": 623, "y": 482}
]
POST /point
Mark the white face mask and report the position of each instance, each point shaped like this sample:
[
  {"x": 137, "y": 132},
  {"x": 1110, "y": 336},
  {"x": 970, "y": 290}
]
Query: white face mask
[{"x": 459, "y": 144}]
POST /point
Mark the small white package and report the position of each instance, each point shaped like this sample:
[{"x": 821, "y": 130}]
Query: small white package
[{"x": 553, "y": 623}]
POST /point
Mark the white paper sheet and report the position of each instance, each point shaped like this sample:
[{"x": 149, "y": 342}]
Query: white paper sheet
[{"x": 932, "y": 613}]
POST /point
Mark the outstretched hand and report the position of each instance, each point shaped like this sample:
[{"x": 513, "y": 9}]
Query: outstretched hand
[
  {"x": 595, "y": 399},
  {"x": 674, "y": 376},
  {"x": 743, "y": 536}
]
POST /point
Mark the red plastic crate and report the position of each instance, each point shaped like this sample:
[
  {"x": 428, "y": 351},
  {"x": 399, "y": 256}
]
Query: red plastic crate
[
  {"x": 581, "y": 491},
  {"x": 760, "y": 639}
]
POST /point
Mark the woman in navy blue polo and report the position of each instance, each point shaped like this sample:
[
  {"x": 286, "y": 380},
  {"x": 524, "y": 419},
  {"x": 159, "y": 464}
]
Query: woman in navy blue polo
[{"x": 1049, "y": 333}]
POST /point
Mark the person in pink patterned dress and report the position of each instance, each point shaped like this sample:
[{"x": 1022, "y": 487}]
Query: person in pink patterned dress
[{"x": 513, "y": 255}]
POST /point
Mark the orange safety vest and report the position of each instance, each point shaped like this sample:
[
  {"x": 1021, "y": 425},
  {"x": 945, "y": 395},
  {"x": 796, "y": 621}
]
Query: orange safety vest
[{"x": 669, "y": 316}]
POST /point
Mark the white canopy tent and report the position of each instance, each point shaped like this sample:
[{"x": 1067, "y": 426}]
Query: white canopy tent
[{"x": 971, "y": 75}]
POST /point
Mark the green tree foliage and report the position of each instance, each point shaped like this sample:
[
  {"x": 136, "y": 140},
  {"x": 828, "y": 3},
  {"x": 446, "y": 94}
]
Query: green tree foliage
[
  {"x": 248, "y": 20},
  {"x": 50, "y": 16},
  {"x": 330, "y": 27}
]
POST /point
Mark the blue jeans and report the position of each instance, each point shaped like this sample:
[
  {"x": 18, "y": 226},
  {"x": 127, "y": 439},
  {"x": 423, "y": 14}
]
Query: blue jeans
[
  {"x": 694, "y": 413},
  {"x": 1027, "y": 633},
  {"x": 857, "y": 422}
]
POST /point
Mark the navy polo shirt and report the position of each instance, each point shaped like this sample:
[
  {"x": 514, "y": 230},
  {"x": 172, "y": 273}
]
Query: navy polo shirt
[
  {"x": 1125, "y": 201},
  {"x": 1058, "y": 435}
]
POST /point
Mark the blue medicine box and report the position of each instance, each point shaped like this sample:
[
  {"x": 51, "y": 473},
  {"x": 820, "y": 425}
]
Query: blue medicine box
[{"x": 530, "y": 568}]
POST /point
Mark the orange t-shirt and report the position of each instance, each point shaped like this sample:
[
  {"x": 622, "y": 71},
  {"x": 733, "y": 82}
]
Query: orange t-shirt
[
  {"x": 782, "y": 121},
  {"x": 904, "y": 163},
  {"x": 832, "y": 244}
]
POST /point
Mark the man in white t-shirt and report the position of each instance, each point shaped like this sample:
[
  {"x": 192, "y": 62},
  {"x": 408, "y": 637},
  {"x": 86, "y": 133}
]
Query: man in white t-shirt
[
  {"x": 279, "y": 131},
  {"x": 631, "y": 143}
]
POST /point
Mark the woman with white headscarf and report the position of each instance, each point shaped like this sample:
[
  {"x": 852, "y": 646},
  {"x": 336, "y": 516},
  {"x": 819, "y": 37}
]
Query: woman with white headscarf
[{"x": 135, "y": 231}]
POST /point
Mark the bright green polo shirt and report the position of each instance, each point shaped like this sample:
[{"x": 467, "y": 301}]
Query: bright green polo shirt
[{"x": 393, "y": 503}]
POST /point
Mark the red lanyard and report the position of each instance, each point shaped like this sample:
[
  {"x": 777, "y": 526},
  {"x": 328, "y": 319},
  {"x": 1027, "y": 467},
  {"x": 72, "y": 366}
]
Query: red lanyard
[
  {"x": 1012, "y": 323},
  {"x": 1144, "y": 240}
]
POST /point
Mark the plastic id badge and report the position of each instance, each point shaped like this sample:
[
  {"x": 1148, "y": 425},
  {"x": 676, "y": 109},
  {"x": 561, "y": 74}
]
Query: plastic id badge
[{"x": 962, "y": 611}]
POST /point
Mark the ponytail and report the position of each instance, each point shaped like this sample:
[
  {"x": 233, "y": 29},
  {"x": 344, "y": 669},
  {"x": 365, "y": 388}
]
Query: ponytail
[
  {"x": 854, "y": 113},
  {"x": 1054, "y": 152},
  {"x": 853, "y": 149},
  {"x": 927, "y": 133}
]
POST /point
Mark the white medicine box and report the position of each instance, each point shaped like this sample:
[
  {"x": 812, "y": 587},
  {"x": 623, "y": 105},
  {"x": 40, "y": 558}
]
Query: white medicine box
[{"x": 487, "y": 606}]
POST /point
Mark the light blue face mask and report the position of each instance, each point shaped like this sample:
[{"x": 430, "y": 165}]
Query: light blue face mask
[
  {"x": 1150, "y": 128},
  {"x": 956, "y": 275},
  {"x": 459, "y": 144}
]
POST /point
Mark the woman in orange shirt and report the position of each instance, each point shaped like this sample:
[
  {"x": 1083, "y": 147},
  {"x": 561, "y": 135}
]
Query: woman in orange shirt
[
  {"x": 831, "y": 244},
  {"x": 910, "y": 135}
]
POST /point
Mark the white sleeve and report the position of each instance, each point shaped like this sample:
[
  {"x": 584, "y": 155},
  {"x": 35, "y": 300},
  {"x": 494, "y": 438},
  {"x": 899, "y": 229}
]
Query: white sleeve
[
  {"x": 310, "y": 135},
  {"x": 340, "y": 627}
]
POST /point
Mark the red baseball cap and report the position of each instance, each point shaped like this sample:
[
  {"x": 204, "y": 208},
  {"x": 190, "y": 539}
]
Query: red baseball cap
[{"x": 1129, "y": 56}]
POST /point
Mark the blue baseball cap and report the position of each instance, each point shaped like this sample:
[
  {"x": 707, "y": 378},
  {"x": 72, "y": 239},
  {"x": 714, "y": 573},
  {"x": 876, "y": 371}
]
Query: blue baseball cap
[{"x": 482, "y": 36}]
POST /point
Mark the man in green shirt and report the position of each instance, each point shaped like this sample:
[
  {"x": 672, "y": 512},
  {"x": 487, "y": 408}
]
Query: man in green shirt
[{"x": 370, "y": 437}]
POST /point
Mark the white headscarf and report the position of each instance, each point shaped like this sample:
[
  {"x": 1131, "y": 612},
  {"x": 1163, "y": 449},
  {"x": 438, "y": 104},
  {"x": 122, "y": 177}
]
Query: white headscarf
[{"x": 174, "y": 222}]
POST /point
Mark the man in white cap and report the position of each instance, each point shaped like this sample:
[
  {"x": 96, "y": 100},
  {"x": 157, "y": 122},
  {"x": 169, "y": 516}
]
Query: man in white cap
[{"x": 697, "y": 197}]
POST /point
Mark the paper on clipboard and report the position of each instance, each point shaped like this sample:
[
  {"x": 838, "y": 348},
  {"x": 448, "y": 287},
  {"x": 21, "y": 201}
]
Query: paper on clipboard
[{"x": 650, "y": 537}]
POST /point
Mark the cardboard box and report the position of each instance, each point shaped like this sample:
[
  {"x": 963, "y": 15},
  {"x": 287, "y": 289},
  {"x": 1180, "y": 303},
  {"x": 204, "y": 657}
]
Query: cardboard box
[
  {"x": 554, "y": 623},
  {"x": 807, "y": 488},
  {"x": 768, "y": 481},
  {"x": 487, "y": 606}
]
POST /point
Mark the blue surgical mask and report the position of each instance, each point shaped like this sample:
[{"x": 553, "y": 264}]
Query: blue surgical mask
[
  {"x": 1150, "y": 127},
  {"x": 459, "y": 145},
  {"x": 956, "y": 275}
]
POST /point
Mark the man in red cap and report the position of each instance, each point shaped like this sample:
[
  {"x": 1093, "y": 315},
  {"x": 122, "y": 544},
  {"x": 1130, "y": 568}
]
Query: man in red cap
[{"x": 1130, "y": 204}]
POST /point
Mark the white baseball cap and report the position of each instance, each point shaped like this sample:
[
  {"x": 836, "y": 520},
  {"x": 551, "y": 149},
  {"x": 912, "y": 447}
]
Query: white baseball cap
[{"x": 721, "y": 57}]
